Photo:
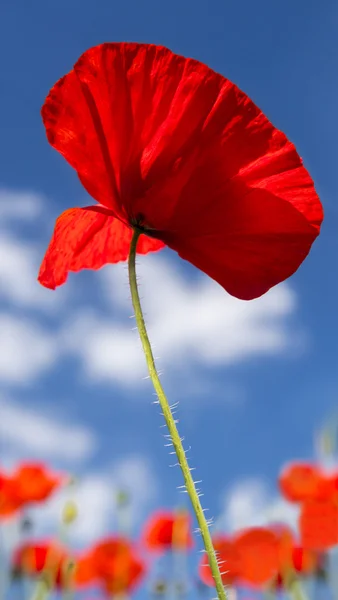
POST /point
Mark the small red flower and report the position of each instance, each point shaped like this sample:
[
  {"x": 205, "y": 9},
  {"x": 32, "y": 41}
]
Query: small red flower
[
  {"x": 32, "y": 558},
  {"x": 34, "y": 483},
  {"x": 117, "y": 565},
  {"x": 228, "y": 560},
  {"x": 85, "y": 572},
  {"x": 300, "y": 481},
  {"x": 318, "y": 524},
  {"x": 168, "y": 530},
  {"x": 259, "y": 554},
  {"x": 166, "y": 145},
  {"x": 9, "y": 501}
]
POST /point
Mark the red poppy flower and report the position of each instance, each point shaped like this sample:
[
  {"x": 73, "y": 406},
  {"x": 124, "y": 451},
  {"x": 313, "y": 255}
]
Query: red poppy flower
[
  {"x": 32, "y": 558},
  {"x": 259, "y": 554},
  {"x": 303, "y": 481},
  {"x": 117, "y": 565},
  {"x": 168, "y": 146},
  {"x": 169, "y": 530},
  {"x": 34, "y": 483},
  {"x": 228, "y": 559},
  {"x": 318, "y": 524},
  {"x": 9, "y": 502},
  {"x": 85, "y": 571}
]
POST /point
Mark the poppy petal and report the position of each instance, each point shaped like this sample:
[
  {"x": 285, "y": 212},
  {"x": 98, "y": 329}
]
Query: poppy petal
[
  {"x": 301, "y": 481},
  {"x": 88, "y": 238},
  {"x": 78, "y": 136},
  {"x": 105, "y": 116},
  {"x": 258, "y": 241},
  {"x": 258, "y": 549},
  {"x": 318, "y": 524}
]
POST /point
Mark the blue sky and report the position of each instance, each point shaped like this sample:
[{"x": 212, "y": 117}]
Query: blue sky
[{"x": 253, "y": 381}]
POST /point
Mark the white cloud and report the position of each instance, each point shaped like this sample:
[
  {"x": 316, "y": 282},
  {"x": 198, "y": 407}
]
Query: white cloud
[
  {"x": 19, "y": 258},
  {"x": 18, "y": 205},
  {"x": 26, "y": 349},
  {"x": 95, "y": 497},
  {"x": 250, "y": 502},
  {"x": 189, "y": 323},
  {"x": 19, "y": 265},
  {"x": 27, "y": 431}
]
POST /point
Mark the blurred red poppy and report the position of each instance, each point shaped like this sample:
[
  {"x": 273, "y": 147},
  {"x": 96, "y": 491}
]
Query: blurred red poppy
[
  {"x": 168, "y": 530},
  {"x": 259, "y": 554},
  {"x": 228, "y": 560},
  {"x": 166, "y": 145},
  {"x": 117, "y": 565},
  {"x": 9, "y": 501},
  {"x": 304, "y": 481},
  {"x": 34, "y": 483},
  {"x": 33, "y": 558},
  {"x": 318, "y": 524},
  {"x": 85, "y": 572}
]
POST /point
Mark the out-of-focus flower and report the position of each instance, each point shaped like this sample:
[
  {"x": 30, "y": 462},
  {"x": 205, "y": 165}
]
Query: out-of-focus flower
[
  {"x": 9, "y": 501},
  {"x": 114, "y": 563},
  {"x": 85, "y": 572},
  {"x": 318, "y": 524},
  {"x": 258, "y": 549},
  {"x": 167, "y": 530},
  {"x": 260, "y": 556},
  {"x": 34, "y": 482},
  {"x": 301, "y": 481},
  {"x": 169, "y": 147},
  {"x": 32, "y": 558},
  {"x": 228, "y": 559}
]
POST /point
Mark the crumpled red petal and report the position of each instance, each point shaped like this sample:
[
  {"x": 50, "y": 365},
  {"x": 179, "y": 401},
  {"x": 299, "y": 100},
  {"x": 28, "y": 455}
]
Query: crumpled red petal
[
  {"x": 88, "y": 238},
  {"x": 155, "y": 134}
]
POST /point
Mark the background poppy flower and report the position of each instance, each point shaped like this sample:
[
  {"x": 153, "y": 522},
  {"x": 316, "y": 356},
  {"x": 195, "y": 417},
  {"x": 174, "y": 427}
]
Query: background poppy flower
[
  {"x": 258, "y": 550},
  {"x": 34, "y": 483},
  {"x": 228, "y": 560},
  {"x": 33, "y": 558},
  {"x": 117, "y": 565},
  {"x": 85, "y": 572},
  {"x": 318, "y": 524},
  {"x": 165, "y": 144},
  {"x": 304, "y": 481},
  {"x": 168, "y": 530},
  {"x": 9, "y": 500}
]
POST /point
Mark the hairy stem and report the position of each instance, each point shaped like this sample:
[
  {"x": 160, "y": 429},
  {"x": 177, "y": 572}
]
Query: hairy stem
[{"x": 176, "y": 440}]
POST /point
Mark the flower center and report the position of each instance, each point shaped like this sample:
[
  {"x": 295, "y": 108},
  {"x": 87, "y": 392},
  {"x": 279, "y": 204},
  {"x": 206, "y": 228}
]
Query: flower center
[{"x": 138, "y": 223}]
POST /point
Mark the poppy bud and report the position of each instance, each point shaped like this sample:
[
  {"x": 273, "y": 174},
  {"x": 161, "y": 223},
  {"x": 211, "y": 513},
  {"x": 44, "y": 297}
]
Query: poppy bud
[{"x": 69, "y": 513}]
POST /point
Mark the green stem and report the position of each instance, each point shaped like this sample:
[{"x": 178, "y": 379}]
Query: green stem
[
  {"x": 41, "y": 591},
  {"x": 296, "y": 590},
  {"x": 176, "y": 440}
]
